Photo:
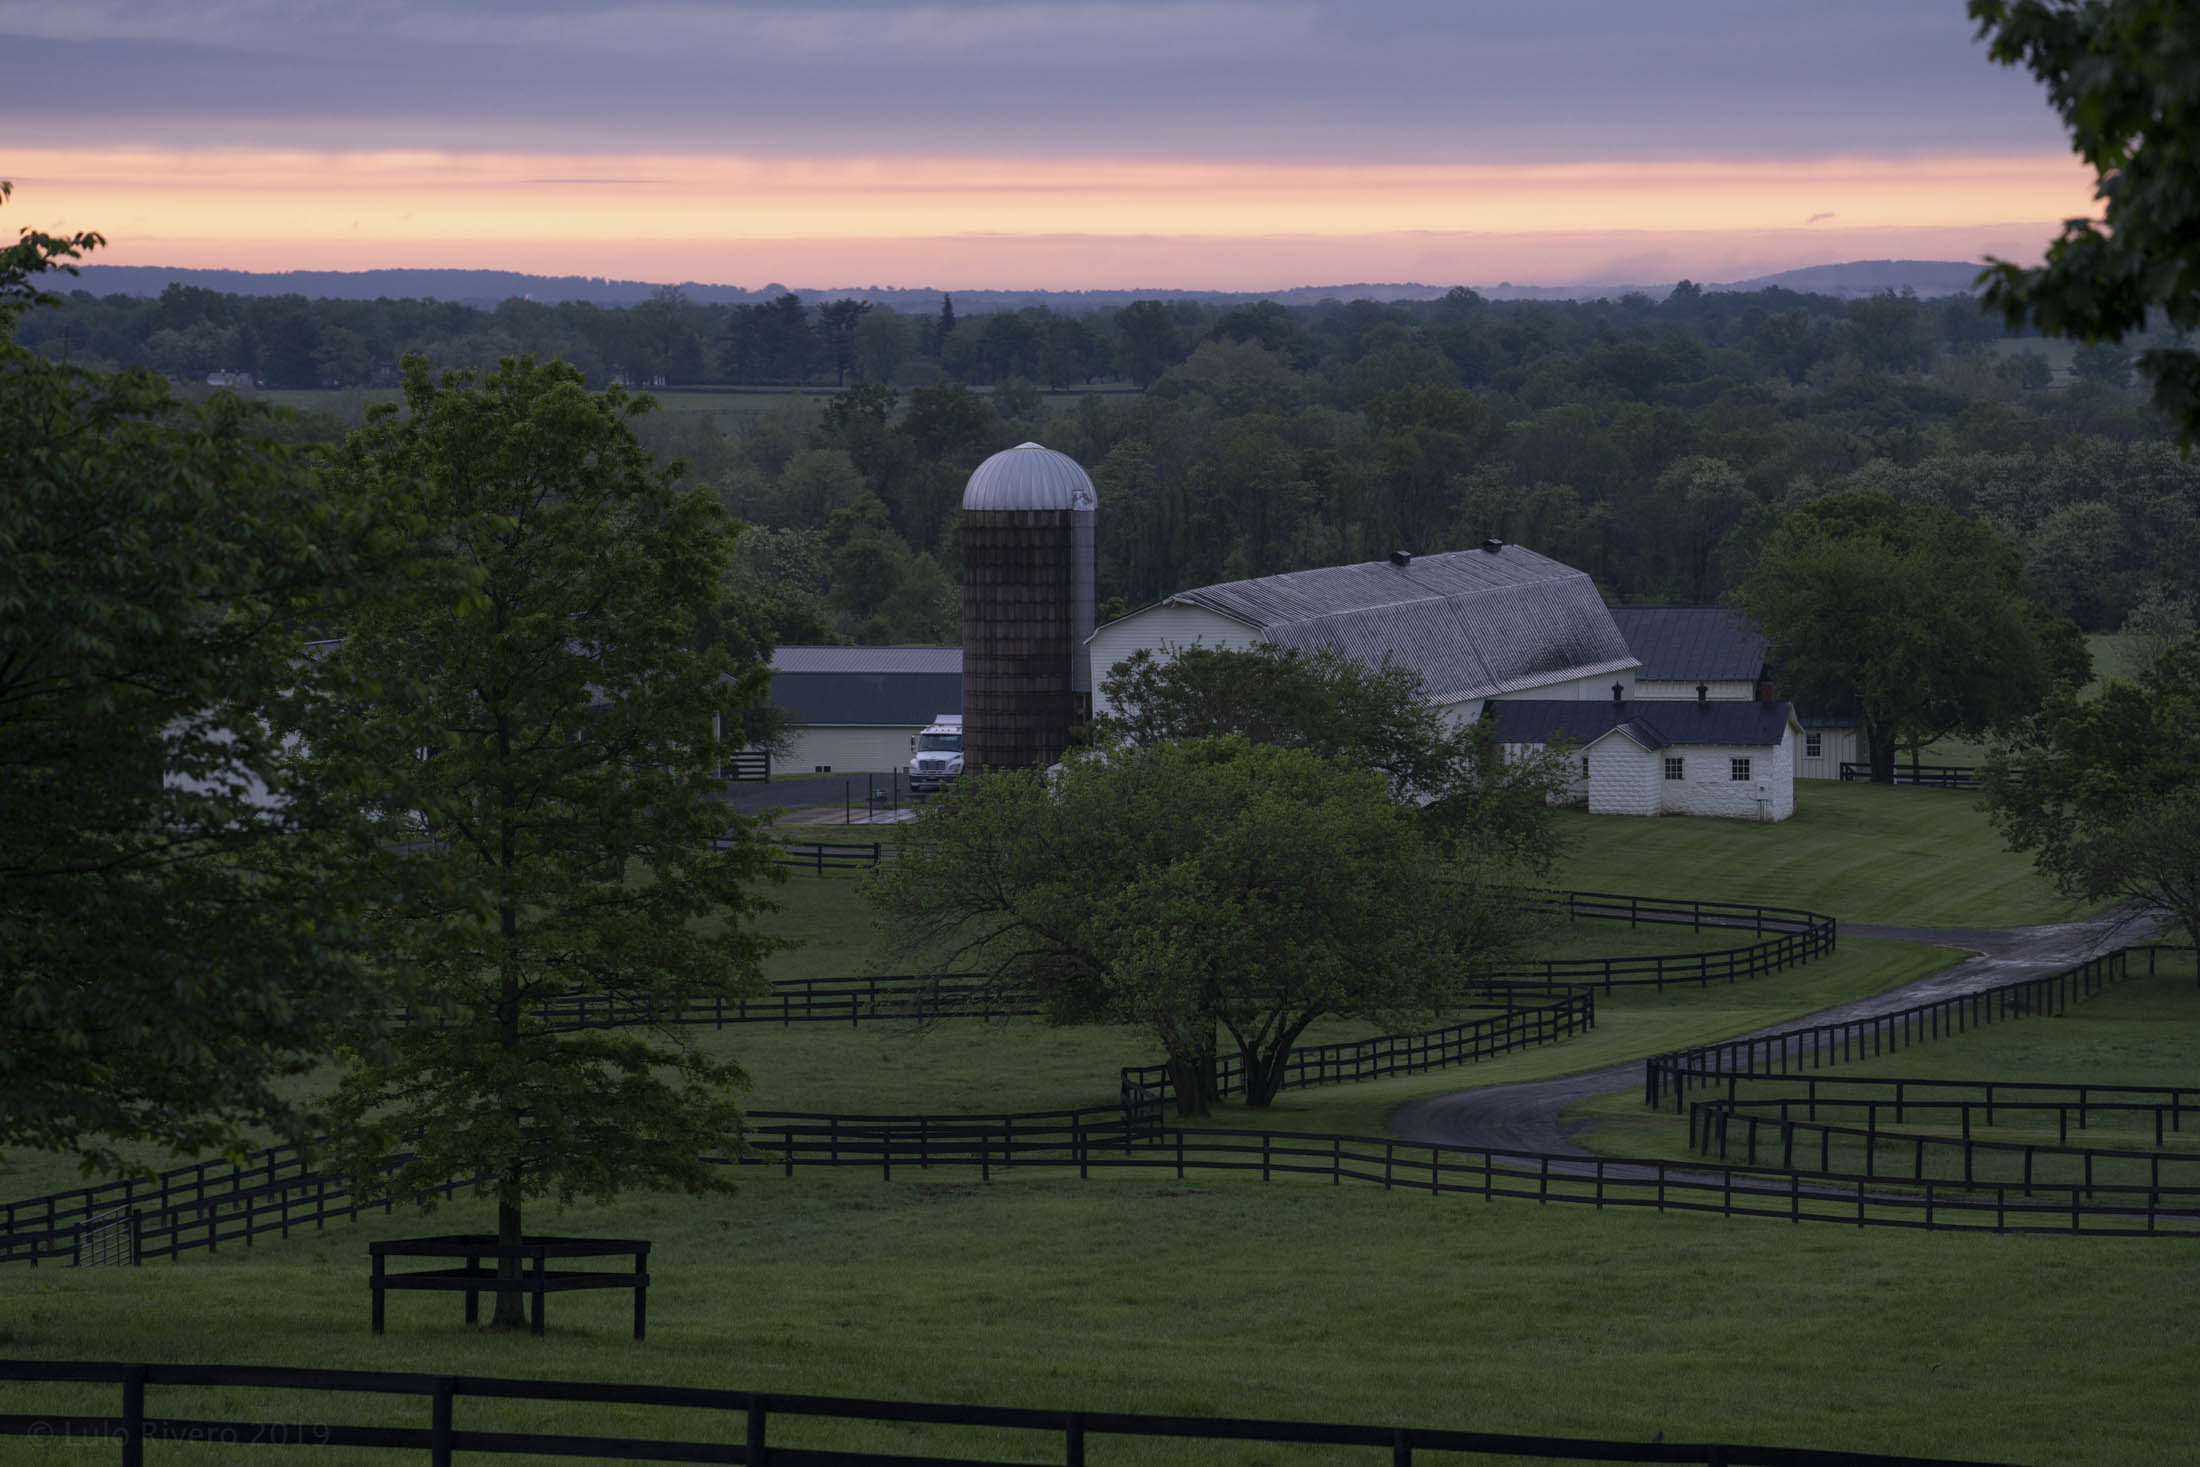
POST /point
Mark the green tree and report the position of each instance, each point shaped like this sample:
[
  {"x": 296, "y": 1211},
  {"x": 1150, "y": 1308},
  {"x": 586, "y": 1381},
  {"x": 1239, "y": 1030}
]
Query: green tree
[
  {"x": 176, "y": 929},
  {"x": 1194, "y": 887},
  {"x": 1913, "y": 610},
  {"x": 1147, "y": 341},
  {"x": 837, "y": 322},
  {"x": 2125, "y": 75},
  {"x": 2106, "y": 794},
  {"x": 560, "y": 822}
]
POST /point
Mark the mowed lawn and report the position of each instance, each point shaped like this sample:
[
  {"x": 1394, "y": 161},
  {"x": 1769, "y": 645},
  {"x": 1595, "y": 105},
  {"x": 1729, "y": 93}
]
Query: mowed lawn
[
  {"x": 1893, "y": 856},
  {"x": 2144, "y": 1030},
  {"x": 1216, "y": 1295}
]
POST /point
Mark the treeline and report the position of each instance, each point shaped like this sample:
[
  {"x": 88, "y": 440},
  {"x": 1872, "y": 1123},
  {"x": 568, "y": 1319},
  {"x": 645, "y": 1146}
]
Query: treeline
[{"x": 1654, "y": 444}]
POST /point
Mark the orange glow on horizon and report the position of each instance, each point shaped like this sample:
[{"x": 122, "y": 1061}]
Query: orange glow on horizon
[{"x": 913, "y": 219}]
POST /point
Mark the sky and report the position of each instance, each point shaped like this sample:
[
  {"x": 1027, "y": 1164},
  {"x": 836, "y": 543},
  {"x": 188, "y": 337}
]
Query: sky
[{"x": 1030, "y": 144}]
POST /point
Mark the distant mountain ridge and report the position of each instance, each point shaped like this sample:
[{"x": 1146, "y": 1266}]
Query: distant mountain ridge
[{"x": 489, "y": 287}]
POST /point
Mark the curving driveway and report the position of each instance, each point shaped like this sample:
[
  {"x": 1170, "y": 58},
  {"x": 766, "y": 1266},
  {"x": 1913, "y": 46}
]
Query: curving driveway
[{"x": 1526, "y": 1117}]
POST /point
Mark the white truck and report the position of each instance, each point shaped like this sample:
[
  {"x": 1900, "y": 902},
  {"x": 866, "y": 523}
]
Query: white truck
[{"x": 938, "y": 754}]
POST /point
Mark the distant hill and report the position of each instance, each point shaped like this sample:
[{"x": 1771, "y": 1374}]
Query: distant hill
[
  {"x": 488, "y": 287},
  {"x": 1869, "y": 277}
]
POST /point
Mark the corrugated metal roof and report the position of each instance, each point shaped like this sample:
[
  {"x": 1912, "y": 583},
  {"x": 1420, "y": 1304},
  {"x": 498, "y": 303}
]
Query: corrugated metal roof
[
  {"x": 893, "y": 699},
  {"x": 1692, "y": 643},
  {"x": 1652, "y": 723},
  {"x": 1029, "y": 476},
  {"x": 868, "y": 659},
  {"x": 1472, "y": 623}
]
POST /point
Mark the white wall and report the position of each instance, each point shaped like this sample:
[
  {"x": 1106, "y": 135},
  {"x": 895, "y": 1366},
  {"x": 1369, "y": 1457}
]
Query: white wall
[
  {"x": 1836, "y": 746},
  {"x": 1708, "y": 786},
  {"x": 1721, "y": 692},
  {"x": 1623, "y": 777},
  {"x": 1158, "y": 628},
  {"x": 848, "y": 748}
]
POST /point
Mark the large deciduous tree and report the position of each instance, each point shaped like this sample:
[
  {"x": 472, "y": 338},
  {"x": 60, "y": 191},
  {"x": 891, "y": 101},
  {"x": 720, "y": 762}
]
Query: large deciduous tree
[
  {"x": 175, "y": 932},
  {"x": 1192, "y": 887},
  {"x": 1914, "y": 611},
  {"x": 2125, "y": 75},
  {"x": 548, "y": 745},
  {"x": 2106, "y": 794},
  {"x": 1475, "y": 798}
]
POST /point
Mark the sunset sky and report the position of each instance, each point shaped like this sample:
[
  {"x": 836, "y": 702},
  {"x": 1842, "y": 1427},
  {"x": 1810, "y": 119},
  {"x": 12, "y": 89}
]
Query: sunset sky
[{"x": 1005, "y": 143}]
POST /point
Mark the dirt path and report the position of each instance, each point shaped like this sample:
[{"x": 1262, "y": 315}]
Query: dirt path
[{"x": 1526, "y": 1117}]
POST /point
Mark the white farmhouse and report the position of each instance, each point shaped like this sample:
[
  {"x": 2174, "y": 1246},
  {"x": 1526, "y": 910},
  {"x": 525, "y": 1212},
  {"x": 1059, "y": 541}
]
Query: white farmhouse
[
  {"x": 1667, "y": 756},
  {"x": 1717, "y": 649}
]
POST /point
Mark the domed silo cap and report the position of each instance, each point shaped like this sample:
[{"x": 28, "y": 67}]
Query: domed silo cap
[{"x": 1027, "y": 477}]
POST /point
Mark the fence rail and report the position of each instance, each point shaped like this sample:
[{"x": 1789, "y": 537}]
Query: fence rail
[
  {"x": 1503, "y": 1031},
  {"x": 1914, "y": 1156},
  {"x": 1671, "y": 1076},
  {"x": 1788, "y": 936},
  {"x": 436, "y": 1399},
  {"x": 1933, "y": 776}
]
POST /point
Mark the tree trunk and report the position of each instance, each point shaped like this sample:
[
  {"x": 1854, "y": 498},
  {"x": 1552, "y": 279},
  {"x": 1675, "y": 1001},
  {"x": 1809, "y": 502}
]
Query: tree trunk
[
  {"x": 1192, "y": 1076},
  {"x": 1264, "y": 1074},
  {"x": 1882, "y": 754}
]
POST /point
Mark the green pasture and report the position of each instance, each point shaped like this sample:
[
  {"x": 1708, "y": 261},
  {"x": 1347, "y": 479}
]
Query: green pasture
[
  {"x": 2144, "y": 1030},
  {"x": 1216, "y": 1295},
  {"x": 1888, "y": 855}
]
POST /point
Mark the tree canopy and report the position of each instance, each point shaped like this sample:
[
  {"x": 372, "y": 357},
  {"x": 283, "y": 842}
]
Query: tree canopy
[
  {"x": 547, "y": 749},
  {"x": 176, "y": 933},
  {"x": 2125, "y": 75},
  {"x": 1195, "y": 886},
  {"x": 1912, "y": 611},
  {"x": 2106, "y": 793}
]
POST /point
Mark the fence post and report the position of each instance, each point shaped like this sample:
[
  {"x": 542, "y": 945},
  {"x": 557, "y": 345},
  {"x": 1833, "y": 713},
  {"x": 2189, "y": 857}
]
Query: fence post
[
  {"x": 757, "y": 1453},
  {"x": 441, "y": 1436},
  {"x": 1073, "y": 1439},
  {"x": 133, "y": 1416}
]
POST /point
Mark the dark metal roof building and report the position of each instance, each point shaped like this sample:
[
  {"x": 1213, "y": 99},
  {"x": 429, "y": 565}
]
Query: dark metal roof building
[
  {"x": 867, "y": 686},
  {"x": 1651, "y": 722},
  {"x": 1692, "y": 643}
]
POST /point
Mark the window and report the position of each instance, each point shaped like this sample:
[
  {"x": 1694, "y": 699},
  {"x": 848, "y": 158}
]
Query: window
[
  {"x": 1584, "y": 766},
  {"x": 1814, "y": 747},
  {"x": 1673, "y": 769},
  {"x": 1740, "y": 769}
]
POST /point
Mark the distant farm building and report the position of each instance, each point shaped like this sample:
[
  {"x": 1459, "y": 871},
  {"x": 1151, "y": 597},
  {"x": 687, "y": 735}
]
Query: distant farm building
[
  {"x": 1527, "y": 640},
  {"x": 858, "y": 709},
  {"x": 1495, "y": 622},
  {"x": 1682, "y": 647}
]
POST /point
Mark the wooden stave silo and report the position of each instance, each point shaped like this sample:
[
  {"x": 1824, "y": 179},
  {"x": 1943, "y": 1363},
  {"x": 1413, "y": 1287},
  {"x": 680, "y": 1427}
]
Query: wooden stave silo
[{"x": 1020, "y": 646}]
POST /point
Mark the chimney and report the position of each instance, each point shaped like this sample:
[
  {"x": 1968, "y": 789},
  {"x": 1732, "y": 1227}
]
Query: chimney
[
  {"x": 1703, "y": 694},
  {"x": 1764, "y": 690},
  {"x": 1401, "y": 557},
  {"x": 1492, "y": 546}
]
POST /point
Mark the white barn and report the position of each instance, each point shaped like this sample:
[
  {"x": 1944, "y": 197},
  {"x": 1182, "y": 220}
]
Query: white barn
[
  {"x": 1495, "y": 622},
  {"x": 1504, "y": 631}
]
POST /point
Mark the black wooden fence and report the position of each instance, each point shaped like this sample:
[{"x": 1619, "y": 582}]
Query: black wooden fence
[
  {"x": 741, "y": 1424},
  {"x": 1671, "y": 1076},
  {"x": 1933, "y": 776},
  {"x": 1502, "y": 1031},
  {"x": 1787, "y": 936}
]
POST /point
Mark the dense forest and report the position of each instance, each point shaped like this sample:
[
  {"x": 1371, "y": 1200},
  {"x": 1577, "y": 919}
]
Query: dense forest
[{"x": 1652, "y": 443}]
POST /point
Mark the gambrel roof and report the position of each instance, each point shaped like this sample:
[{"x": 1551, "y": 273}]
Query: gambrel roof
[{"x": 1472, "y": 623}]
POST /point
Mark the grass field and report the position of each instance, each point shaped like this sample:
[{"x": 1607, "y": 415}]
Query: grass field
[
  {"x": 1863, "y": 853},
  {"x": 1230, "y": 1297},
  {"x": 2142, "y": 1031},
  {"x": 1224, "y": 1296}
]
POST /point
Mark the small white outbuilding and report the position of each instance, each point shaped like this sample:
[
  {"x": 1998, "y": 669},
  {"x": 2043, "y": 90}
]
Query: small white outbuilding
[{"x": 1667, "y": 757}]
